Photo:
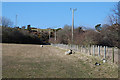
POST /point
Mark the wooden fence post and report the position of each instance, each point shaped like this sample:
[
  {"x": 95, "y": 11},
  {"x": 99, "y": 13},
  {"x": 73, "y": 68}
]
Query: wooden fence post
[
  {"x": 93, "y": 50},
  {"x": 104, "y": 52},
  {"x": 85, "y": 49},
  {"x": 106, "y": 49},
  {"x": 77, "y": 47},
  {"x": 82, "y": 48},
  {"x": 98, "y": 50},
  {"x": 89, "y": 49},
  {"x": 71, "y": 46},
  {"x": 113, "y": 54}
]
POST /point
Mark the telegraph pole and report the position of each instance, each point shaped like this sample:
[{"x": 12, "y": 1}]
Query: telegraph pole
[
  {"x": 49, "y": 33},
  {"x": 16, "y": 21},
  {"x": 73, "y": 22},
  {"x": 55, "y": 34}
]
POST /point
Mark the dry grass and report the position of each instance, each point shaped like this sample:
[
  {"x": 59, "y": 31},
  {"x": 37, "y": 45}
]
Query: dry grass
[{"x": 33, "y": 61}]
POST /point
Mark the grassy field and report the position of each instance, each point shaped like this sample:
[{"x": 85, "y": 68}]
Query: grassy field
[{"x": 33, "y": 61}]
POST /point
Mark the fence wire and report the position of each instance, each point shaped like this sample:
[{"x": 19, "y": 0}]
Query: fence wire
[{"x": 108, "y": 53}]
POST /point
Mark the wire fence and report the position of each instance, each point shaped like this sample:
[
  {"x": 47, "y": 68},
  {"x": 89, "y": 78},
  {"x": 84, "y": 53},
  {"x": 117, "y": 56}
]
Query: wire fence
[{"x": 105, "y": 52}]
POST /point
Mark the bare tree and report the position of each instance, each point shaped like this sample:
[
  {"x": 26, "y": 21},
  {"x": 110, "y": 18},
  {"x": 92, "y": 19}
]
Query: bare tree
[
  {"x": 64, "y": 35},
  {"x": 115, "y": 17},
  {"x": 6, "y": 22}
]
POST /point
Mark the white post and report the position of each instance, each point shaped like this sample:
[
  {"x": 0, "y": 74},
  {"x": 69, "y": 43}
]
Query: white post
[
  {"x": 104, "y": 52},
  {"x": 98, "y": 50}
]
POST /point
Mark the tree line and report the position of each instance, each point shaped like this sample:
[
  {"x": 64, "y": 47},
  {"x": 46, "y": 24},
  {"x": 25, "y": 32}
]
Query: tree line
[{"x": 108, "y": 36}]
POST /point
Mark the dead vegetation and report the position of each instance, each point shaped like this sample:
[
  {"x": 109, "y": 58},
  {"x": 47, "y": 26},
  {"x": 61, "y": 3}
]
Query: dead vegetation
[{"x": 33, "y": 61}]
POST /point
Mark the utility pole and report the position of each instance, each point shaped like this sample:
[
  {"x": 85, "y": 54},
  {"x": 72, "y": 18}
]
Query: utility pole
[
  {"x": 73, "y": 22},
  {"x": 49, "y": 33},
  {"x": 16, "y": 21},
  {"x": 55, "y": 34}
]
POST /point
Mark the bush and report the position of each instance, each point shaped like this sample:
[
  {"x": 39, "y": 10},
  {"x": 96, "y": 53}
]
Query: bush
[{"x": 12, "y": 35}]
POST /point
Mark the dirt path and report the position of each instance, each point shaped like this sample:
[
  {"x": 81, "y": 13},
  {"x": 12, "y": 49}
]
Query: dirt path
[{"x": 33, "y": 61}]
